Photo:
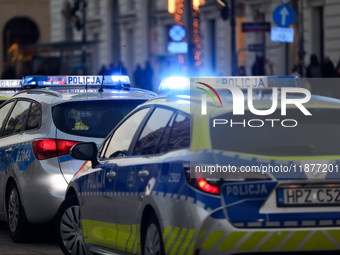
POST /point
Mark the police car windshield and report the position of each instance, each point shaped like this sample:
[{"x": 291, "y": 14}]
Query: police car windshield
[
  {"x": 313, "y": 136},
  {"x": 92, "y": 118}
]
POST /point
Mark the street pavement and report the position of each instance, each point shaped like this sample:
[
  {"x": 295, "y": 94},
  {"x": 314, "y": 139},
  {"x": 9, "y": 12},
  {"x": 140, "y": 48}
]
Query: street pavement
[{"x": 43, "y": 243}]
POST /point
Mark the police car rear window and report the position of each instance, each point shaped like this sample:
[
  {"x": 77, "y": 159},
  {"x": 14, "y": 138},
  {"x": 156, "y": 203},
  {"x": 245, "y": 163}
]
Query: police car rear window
[
  {"x": 92, "y": 118},
  {"x": 314, "y": 135}
]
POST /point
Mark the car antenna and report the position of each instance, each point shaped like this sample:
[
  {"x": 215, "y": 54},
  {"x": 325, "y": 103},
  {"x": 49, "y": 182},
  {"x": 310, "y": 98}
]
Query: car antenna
[
  {"x": 121, "y": 64},
  {"x": 101, "y": 85},
  {"x": 22, "y": 83},
  {"x": 120, "y": 72}
]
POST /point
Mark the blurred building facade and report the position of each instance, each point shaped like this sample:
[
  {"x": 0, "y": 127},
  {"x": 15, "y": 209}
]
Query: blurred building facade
[
  {"x": 321, "y": 25},
  {"x": 21, "y": 29},
  {"x": 124, "y": 35}
]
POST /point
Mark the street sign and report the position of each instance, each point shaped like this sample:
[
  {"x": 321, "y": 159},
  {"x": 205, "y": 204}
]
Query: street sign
[
  {"x": 256, "y": 27},
  {"x": 255, "y": 47},
  {"x": 282, "y": 34},
  {"x": 177, "y": 33},
  {"x": 284, "y": 16},
  {"x": 177, "y": 47}
]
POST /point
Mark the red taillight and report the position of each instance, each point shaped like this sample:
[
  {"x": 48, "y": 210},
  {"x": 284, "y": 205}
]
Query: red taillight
[
  {"x": 49, "y": 148},
  {"x": 44, "y": 149},
  {"x": 64, "y": 147},
  {"x": 206, "y": 187}
]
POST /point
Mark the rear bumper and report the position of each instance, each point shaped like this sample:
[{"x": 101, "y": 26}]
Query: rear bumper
[{"x": 42, "y": 189}]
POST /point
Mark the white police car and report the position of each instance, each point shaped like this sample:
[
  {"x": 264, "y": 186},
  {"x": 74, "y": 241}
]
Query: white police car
[
  {"x": 39, "y": 125},
  {"x": 153, "y": 186}
]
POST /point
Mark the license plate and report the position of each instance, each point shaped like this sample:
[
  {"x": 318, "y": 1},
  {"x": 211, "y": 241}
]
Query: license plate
[{"x": 320, "y": 196}]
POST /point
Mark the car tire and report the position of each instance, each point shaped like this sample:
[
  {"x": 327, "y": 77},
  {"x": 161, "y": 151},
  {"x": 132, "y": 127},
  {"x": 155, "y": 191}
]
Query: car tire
[
  {"x": 153, "y": 242},
  {"x": 68, "y": 228},
  {"x": 16, "y": 218}
]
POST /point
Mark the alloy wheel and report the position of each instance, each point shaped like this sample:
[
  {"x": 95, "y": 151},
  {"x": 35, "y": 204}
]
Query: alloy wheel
[
  {"x": 13, "y": 210},
  {"x": 152, "y": 242},
  {"x": 71, "y": 231}
]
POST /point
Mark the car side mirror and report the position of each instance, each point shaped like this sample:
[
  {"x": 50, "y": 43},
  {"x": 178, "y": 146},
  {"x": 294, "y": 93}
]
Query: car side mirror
[{"x": 85, "y": 151}]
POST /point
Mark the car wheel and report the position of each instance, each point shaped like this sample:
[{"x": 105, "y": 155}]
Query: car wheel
[
  {"x": 153, "y": 243},
  {"x": 16, "y": 218},
  {"x": 69, "y": 231}
]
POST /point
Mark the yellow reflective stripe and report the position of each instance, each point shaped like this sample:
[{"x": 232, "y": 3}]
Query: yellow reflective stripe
[
  {"x": 124, "y": 232},
  {"x": 137, "y": 241},
  {"x": 200, "y": 133},
  {"x": 166, "y": 232},
  {"x": 179, "y": 241},
  {"x": 132, "y": 238},
  {"x": 325, "y": 243},
  {"x": 294, "y": 240},
  {"x": 252, "y": 241},
  {"x": 274, "y": 241},
  {"x": 171, "y": 240},
  {"x": 83, "y": 223},
  {"x": 312, "y": 243},
  {"x": 202, "y": 233},
  {"x": 287, "y": 158},
  {"x": 230, "y": 241},
  {"x": 212, "y": 239},
  {"x": 187, "y": 241},
  {"x": 191, "y": 249},
  {"x": 335, "y": 234},
  {"x": 102, "y": 233}
]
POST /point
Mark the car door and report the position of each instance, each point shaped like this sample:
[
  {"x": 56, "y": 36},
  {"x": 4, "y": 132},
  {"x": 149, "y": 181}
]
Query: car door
[
  {"x": 135, "y": 177},
  {"x": 98, "y": 207},
  {"x": 4, "y": 157}
]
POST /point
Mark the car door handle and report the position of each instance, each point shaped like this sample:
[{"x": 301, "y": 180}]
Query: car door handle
[
  {"x": 111, "y": 175},
  {"x": 8, "y": 151},
  {"x": 143, "y": 174}
]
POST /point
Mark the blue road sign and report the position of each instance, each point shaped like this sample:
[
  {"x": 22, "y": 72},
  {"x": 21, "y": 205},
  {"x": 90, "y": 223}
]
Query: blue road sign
[
  {"x": 284, "y": 16},
  {"x": 177, "y": 47},
  {"x": 177, "y": 33}
]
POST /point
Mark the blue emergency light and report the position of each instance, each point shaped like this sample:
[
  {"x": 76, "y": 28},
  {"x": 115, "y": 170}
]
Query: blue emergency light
[{"x": 107, "y": 81}]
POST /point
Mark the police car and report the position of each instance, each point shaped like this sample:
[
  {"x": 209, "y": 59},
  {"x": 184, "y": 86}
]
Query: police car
[
  {"x": 8, "y": 88},
  {"x": 160, "y": 183},
  {"x": 39, "y": 125}
]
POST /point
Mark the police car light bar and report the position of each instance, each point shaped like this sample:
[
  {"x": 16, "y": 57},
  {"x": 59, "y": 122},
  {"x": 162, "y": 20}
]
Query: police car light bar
[
  {"x": 255, "y": 82},
  {"x": 182, "y": 84},
  {"x": 10, "y": 85},
  {"x": 177, "y": 83},
  {"x": 116, "y": 81}
]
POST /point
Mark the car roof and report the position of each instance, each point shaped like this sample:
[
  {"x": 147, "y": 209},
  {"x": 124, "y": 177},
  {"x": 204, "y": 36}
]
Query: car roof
[
  {"x": 184, "y": 102},
  {"x": 58, "y": 96}
]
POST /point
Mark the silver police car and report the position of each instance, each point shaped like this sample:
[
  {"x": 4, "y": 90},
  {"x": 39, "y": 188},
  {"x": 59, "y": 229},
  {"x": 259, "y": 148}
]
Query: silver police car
[{"x": 39, "y": 125}]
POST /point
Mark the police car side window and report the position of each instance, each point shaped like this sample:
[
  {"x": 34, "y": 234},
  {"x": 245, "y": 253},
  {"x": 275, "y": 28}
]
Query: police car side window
[
  {"x": 34, "y": 117},
  {"x": 4, "y": 112},
  {"x": 152, "y": 132},
  {"x": 163, "y": 143},
  {"x": 16, "y": 121},
  {"x": 122, "y": 137},
  {"x": 180, "y": 133}
]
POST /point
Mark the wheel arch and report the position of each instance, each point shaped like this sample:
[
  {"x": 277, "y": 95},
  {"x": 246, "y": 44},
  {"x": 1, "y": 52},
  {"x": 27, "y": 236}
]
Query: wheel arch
[
  {"x": 8, "y": 185},
  {"x": 147, "y": 212},
  {"x": 70, "y": 192}
]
